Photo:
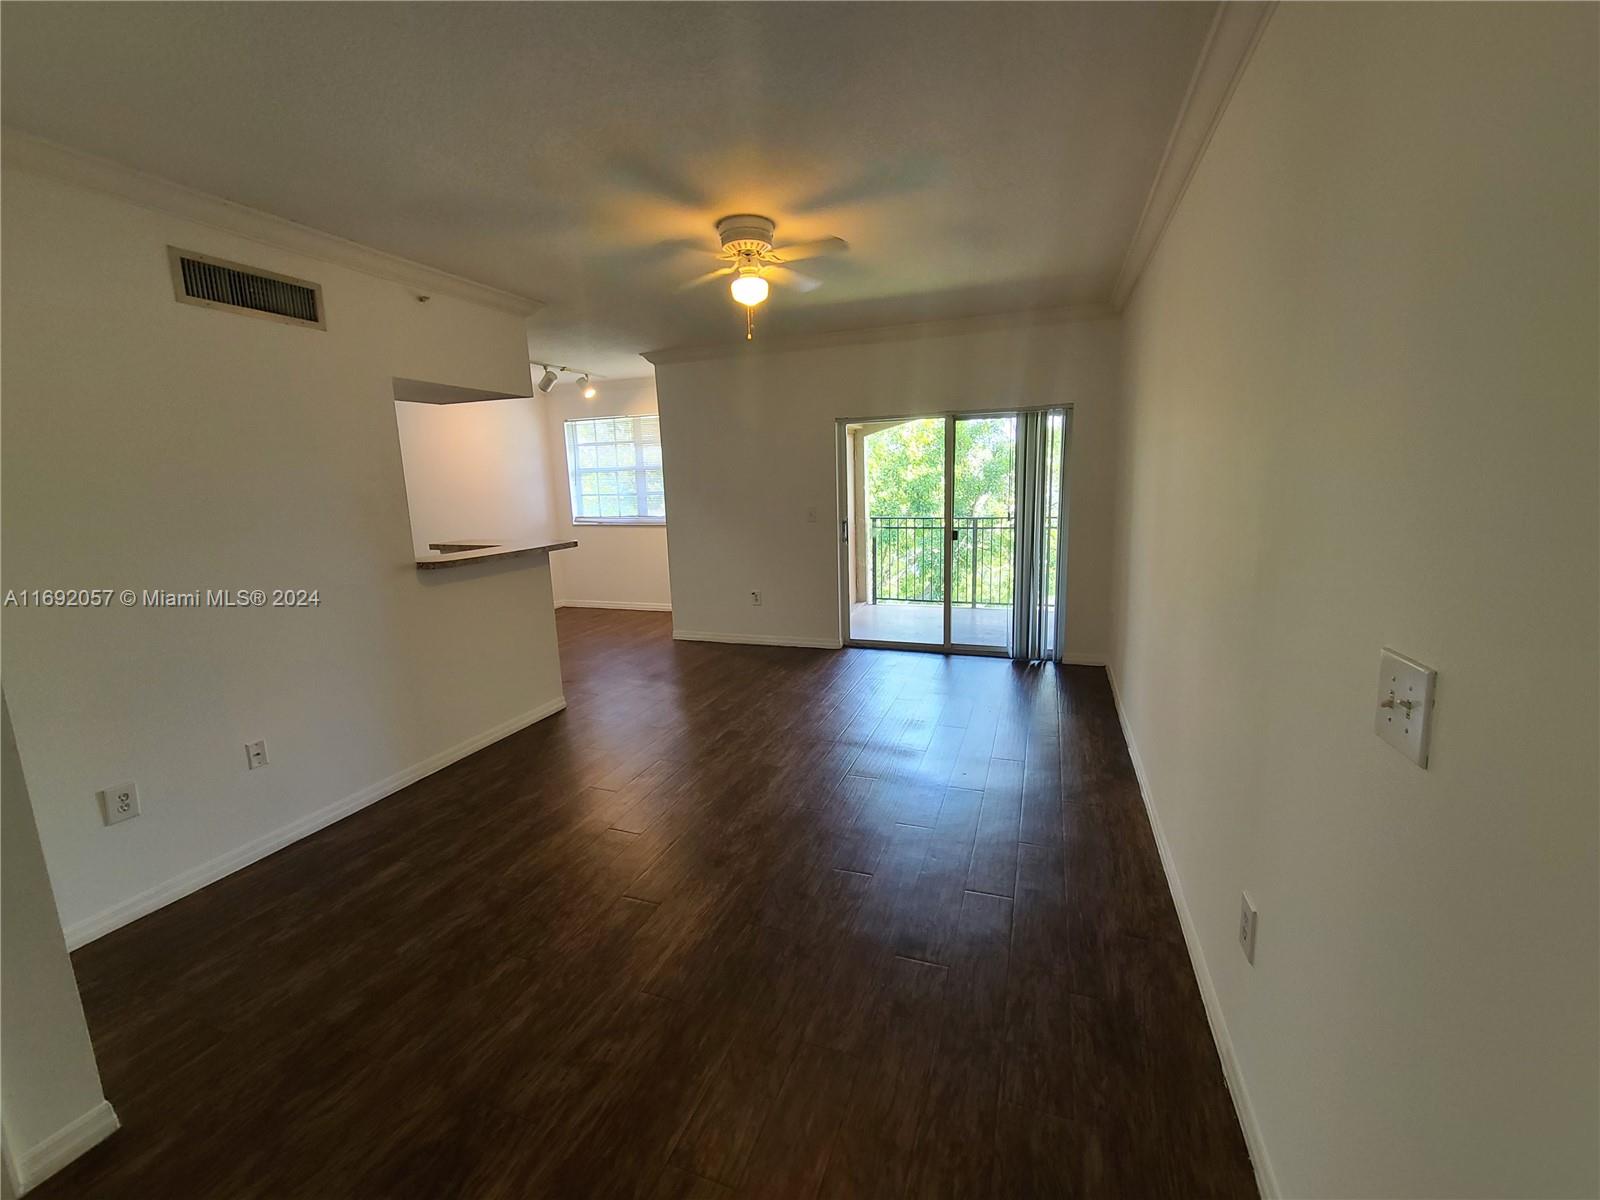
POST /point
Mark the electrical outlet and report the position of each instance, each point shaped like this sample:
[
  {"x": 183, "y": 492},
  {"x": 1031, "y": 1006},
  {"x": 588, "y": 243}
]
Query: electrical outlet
[
  {"x": 255, "y": 754},
  {"x": 811, "y": 515},
  {"x": 120, "y": 803},
  {"x": 1247, "y": 928},
  {"x": 755, "y": 598}
]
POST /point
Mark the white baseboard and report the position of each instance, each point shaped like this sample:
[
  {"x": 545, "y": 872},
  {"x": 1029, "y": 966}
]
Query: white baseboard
[
  {"x": 756, "y": 639},
  {"x": 82, "y": 932},
  {"x": 626, "y": 605},
  {"x": 1266, "y": 1178},
  {"x": 32, "y": 1165}
]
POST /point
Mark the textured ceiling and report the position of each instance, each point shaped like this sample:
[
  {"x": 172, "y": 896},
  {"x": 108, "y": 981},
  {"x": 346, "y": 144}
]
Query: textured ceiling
[{"x": 978, "y": 157}]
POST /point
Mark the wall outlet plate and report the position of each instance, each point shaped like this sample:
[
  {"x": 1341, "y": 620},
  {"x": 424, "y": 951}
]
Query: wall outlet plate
[
  {"x": 255, "y": 754},
  {"x": 1247, "y": 928},
  {"x": 1405, "y": 704},
  {"x": 120, "y": 803},
  {"x": 755, "y": 598}
]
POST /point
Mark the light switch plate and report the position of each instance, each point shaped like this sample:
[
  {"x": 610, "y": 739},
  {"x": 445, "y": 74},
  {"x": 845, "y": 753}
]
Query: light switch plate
[
  {"x": 1247, "y": 928},
  {"x": 1405, "y": 705}
]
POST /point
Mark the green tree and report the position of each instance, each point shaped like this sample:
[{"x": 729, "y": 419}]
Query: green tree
[
  {"x": 905, "y": 468},
  {"x": 905, "y": 479}
]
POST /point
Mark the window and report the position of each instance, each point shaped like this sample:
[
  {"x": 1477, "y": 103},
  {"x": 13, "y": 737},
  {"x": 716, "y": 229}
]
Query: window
[{"x": 614, "y": 466}]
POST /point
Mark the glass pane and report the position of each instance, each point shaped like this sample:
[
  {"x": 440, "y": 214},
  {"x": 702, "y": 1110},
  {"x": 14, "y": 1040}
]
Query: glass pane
[
  {"x": 985, "y": 527},
  {"x": 616, "y": 460},
  {"x": 897, "y": 532}
]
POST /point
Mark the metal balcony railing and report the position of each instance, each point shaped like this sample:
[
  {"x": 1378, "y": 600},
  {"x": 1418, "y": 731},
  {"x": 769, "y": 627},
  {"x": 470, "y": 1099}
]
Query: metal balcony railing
[{"x": 907, "y": 555}]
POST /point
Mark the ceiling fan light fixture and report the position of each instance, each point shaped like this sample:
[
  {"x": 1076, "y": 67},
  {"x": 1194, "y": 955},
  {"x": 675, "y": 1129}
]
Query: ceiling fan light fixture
[
  {"x": 749, "y": 290},
  {"x": 746, "y": 253}
]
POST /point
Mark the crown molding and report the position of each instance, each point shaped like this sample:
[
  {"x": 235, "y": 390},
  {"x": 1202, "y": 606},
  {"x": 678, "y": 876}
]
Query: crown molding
[
  {"x": 1235, "y": 31},
  {"x": 952, "y": 327},
  {"x": 25, "y": 152}
]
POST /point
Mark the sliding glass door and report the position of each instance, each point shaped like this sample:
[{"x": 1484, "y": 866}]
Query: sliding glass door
[
  {"x": 982, "y": 530},
  {"x": 951, "y": 532},
  {"x": 896, "y": 531}
]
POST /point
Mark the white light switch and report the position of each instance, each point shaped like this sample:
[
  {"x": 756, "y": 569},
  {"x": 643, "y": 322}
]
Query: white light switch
[{"x": 1405, "y": 705}]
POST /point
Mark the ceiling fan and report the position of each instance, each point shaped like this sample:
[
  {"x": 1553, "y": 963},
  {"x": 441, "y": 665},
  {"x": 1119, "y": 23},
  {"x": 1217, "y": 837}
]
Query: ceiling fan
[{"x": 750, "y": 257}]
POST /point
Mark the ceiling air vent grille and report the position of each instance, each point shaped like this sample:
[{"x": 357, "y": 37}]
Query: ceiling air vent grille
[{"x": 216, "y": 283}]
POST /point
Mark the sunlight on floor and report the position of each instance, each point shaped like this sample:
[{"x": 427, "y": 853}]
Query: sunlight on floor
[{"x": 923, "y": 624}]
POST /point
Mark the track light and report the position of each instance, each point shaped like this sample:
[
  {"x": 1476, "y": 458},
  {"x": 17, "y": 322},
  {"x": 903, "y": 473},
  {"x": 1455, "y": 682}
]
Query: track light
[{"x": 552, "y": 376}]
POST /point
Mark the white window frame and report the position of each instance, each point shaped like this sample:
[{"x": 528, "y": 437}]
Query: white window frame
[{"x": 641, "y": 425}]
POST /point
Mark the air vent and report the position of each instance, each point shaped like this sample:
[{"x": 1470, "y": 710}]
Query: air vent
[{"x": 215, "y": 283}]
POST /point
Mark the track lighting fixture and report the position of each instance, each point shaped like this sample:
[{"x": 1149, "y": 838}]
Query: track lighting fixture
[{"x": 552, "y": 376}]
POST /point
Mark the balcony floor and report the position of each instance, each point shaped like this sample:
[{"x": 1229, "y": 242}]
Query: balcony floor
[{"x": 923, "y": 624}]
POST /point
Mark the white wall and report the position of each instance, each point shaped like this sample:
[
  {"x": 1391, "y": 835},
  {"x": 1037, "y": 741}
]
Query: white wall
[
  {"x": 1362, "y": 411},
  {"x": 475, "y": 470},
  {"x": 49, "y": 1084},
  {"x": 749, "y": 446},
  {"x": 622, "y": 566},
  {"x": 152, "y": 444}
]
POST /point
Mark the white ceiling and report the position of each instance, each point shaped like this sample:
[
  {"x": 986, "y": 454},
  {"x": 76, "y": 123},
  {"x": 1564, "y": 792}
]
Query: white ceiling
[{"x": 978, "y": 157}]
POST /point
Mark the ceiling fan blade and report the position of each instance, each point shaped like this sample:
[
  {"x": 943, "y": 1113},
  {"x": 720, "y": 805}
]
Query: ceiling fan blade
[
  {"x": 706, "y": 278},
  {"x": 661, "y": 251},
  {"x": 643, "y": 176},
  {"x": 796, "y": 251},
  {"x": 792, "y": 278},
  {"x": 884, "y": 180}
]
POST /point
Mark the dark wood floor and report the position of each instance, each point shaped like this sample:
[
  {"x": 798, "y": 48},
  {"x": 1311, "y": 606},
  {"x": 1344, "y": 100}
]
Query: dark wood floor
[{"x": 742, "y": 921}]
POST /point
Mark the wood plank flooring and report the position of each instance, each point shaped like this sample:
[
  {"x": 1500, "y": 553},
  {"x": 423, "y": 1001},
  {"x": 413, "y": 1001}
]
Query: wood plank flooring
[{"x": 740, "y": 922}]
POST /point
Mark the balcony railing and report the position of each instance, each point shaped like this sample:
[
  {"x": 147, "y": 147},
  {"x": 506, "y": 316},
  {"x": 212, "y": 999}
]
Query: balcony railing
[{"x": 908, "y": 559}]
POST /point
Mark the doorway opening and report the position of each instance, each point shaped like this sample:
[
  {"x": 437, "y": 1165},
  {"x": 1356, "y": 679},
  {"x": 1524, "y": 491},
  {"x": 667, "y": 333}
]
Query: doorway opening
[{"x": 931, "y": 527}]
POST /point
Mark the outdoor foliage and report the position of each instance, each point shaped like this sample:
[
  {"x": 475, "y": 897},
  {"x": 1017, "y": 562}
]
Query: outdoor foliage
[
  {"x": 905, "y": 499},
  {"x": 905, "y": 469}
]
